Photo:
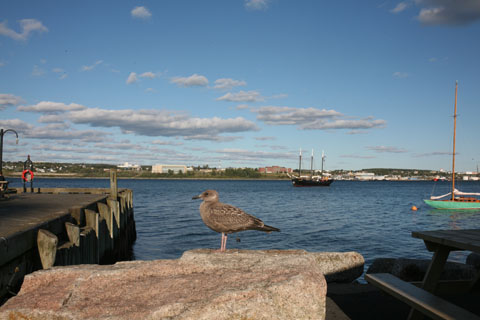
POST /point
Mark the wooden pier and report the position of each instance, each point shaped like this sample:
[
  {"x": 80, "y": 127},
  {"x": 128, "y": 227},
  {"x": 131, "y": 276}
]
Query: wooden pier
[{"x": 63, "y": 226}]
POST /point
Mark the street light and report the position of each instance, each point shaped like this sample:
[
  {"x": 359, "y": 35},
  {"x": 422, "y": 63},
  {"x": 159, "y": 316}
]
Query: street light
[{"x": 2, "y": 132}]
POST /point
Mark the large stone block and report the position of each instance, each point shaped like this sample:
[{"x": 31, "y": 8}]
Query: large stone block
[{"x": 203, "y": 284}]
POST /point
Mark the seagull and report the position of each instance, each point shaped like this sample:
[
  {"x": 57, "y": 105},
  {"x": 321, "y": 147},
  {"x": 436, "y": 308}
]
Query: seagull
[{"x": 225, "y": 219}]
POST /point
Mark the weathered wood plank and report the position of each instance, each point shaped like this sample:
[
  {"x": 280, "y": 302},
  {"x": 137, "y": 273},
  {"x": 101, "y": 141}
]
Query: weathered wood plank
[
  {"x": 419, "y": 299},
  {"x": 458, "y": 239}
]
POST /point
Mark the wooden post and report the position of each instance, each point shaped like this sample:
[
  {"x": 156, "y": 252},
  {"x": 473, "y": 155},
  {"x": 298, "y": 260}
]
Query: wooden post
[
  {"x": 115, "y": 205},
  {"x": 73, "y": 232},
  {"x": 92, "y": 218},
  {"x": 47, "y": 247},
  {"x": 113, "y": 184},
  {"x": 107, "y": 214}
]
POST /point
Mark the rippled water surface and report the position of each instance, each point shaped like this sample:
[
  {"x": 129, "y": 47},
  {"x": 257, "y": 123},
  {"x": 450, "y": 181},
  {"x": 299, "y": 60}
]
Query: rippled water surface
[{"x": 373, "y": 218}]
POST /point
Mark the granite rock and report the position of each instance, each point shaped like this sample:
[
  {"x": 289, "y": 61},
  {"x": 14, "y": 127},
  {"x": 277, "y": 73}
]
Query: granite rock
[
  {"x": 202, "y": 284},
  {"x": 342, "y": 267}
]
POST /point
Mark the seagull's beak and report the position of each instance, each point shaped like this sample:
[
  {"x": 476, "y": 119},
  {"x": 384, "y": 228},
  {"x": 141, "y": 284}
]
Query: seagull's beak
[{"x": 196, "y": 197}]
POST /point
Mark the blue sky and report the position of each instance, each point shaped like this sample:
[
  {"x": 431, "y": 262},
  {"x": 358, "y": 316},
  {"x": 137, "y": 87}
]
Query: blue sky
[{"x": 241, "y": 83}]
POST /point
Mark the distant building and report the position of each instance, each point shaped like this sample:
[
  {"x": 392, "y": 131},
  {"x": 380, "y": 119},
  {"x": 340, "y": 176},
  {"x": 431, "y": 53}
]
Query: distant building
[
  {"x": 364, "y": 176},
  {"x": 274, "y": 169},
  {"x": 166, "y": 168},
  {"x": 129, "y": 166}
]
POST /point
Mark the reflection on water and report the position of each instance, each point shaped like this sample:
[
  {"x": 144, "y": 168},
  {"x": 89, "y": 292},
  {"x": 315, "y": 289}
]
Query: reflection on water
[{"x": 373, "y": 218}]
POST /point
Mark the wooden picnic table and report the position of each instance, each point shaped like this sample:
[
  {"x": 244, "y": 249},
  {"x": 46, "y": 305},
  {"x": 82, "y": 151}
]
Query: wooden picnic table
[
  {"x": 441, "y": 242},
  {"x": 424, "y": 300}
]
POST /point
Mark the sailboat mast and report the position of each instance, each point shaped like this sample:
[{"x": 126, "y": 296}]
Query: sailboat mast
[
  {"x": 300, "y": 164},
  {"x": 454, "y": 136},
  {"x": 311, "y": 164},
  {"x": 323, "y": 159}
]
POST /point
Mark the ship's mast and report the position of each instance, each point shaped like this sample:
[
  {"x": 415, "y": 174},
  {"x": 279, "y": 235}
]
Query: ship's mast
[
  {"x": 323, "y": 160},
  {"x": 311, "y": 164},
  {"x": 454, "y": 136},
  {"x": 300, "y": 164}
]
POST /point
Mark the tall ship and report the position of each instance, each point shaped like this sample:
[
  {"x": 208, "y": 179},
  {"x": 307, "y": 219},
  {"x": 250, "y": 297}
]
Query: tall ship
[
  {"x": 455, "y": 199},
  {"x": 310, "y": 180}
]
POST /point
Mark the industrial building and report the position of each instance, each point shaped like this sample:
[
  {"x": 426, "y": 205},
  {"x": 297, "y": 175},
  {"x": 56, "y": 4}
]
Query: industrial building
[{"x": 166, "y": 168}]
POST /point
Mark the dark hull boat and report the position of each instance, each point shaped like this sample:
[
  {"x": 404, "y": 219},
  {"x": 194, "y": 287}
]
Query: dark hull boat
[
  {"x": 310, "y": 181},
  {"x": 307, "y": 182}
]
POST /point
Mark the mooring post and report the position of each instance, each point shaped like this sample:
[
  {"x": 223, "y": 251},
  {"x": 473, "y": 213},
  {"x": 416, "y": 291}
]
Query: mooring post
[
  {"x": 47, "y": 247},
  {"x": 113, "y": 184}
]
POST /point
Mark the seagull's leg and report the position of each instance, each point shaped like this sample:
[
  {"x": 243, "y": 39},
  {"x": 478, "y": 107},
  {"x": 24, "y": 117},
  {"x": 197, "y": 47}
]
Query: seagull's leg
[{"x": 225, "y": 242}]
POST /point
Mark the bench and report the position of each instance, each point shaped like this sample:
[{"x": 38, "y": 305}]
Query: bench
[
  {"x": 417, "y": 298},
  {"x": 3, "y": 188},
  {"x": 3, "y": 185}
]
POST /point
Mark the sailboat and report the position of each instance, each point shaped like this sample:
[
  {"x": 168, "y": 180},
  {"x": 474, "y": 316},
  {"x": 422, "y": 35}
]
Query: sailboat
[
  {"x": 455, "y": 199},
  {"x": 311, "y": 180}
]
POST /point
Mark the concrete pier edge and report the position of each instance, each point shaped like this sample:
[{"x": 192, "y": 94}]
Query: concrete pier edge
[{"x": 101, "y": 231}]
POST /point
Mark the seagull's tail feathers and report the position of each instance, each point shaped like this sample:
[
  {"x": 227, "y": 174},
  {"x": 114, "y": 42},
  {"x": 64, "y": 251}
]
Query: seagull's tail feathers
[{"x": 266, "y": 228}]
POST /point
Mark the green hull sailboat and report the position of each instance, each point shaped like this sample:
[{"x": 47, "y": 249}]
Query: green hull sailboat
[
  {"x": 456, "y": 204},
  {"x": 457, "y": 199}
]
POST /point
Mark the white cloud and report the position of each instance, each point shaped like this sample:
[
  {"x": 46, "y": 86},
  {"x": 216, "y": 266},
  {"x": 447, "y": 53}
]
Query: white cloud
[
  {"x": 120, "y": 146},
  {"x": 167, "y": 143},
  {"x": 50, "y": 107},
  {"x": 158, "y": 123},
  {"x": 293, "y": 116},
  {"x": 367, "y": 123},
  {"x": 132, "y": 78},
  {"x": 60, "y": 132},
  {"x": 91, "y": 67},
  {"x": 148, "y": 74},
  {"x": 399, "y": 7},
  {"x": 242, "y": 96},
  {"x": 448, "y": 12},
  {"x": 264, "y": 138},
  {"x": 28, "y": 26},
  {"x": 141, "y": 13},
  {"x": 314, "y": 119},
  {"x": 52, "y": 118},
  {"x": 400, "y": 75},
  {"x": 257, "y": 4},
  {"x": 227, "y": 83},
  {"x": 7, "y": 100},
  {"x": 193, "y": 80},
  {"x": 386, "y": 149},
  {"x": 17, "y": 124}
]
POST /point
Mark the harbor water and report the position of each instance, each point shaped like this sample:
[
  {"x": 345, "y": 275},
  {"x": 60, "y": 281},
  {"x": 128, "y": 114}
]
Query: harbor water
[{"x": 373, "y": 218}]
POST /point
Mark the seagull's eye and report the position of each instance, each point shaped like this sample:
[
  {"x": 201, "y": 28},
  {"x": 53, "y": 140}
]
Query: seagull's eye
[{"x": 206, "y": 193}]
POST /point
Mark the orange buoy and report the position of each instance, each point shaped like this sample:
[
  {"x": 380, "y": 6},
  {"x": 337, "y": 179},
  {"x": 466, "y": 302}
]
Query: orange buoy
[{"x": 414, "y": 208}]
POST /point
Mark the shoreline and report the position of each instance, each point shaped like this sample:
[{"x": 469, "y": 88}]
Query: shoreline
[{"x": 76, "y": 176}]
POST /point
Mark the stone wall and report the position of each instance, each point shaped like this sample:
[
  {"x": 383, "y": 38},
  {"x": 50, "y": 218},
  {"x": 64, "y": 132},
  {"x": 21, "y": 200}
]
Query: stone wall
[{"x": 202, "y": 284}]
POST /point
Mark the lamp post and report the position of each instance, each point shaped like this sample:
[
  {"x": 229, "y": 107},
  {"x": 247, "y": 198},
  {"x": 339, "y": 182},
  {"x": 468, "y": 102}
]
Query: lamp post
[{"x": 2, "y": 132}]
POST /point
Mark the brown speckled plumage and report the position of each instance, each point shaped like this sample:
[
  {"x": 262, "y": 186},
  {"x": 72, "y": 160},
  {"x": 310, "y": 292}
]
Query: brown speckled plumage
[{"x": 224, "y": 218}]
